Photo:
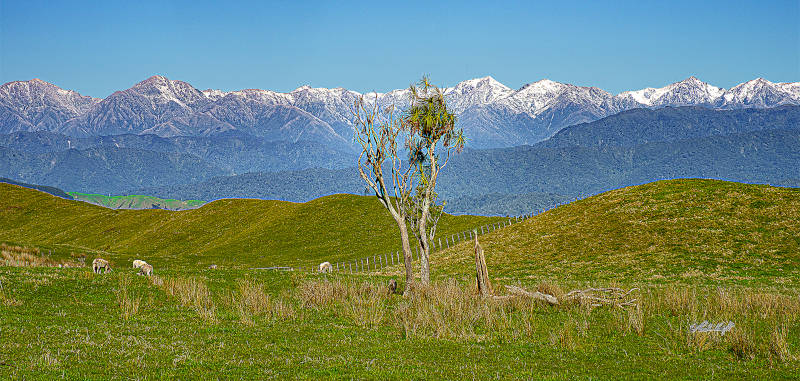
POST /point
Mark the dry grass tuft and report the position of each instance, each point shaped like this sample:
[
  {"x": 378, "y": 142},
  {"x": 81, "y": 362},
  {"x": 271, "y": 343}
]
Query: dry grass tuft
[
  {"x": 128, "y": 304},
  {"x": 632, "y": 319},
  {"x": 676, "y": 301},
  {"x": 318, "y": 294},
  {"x": 550, "y": 289},
  {"x": 741, "y": 344},
  {"x": 362, "y": 302},
  {"x": 702, "y": 341},
  {"x": 18, "y": 256},
  {"x": 253, "y": 301},
  {"x": 191, "y": 292},
  {"x": 564, "y": 337},
  {"x": 445, "y": 310},
  {"x": 778, "y": 346}
]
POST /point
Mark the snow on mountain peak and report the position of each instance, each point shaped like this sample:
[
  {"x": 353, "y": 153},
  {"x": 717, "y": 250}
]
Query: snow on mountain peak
[
  {"x": 689, "y": 91},
  {"x": 476, "y": 91},
  {"x": 214, "y": 94},
  {"x": 538, "y": 109},
  {"x": 484, "y": 82},
  {"x": 761, "y": 93}
]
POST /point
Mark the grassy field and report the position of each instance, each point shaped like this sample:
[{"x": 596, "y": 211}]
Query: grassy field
[
  {"x": 136, "y": 202},
  {"x": 680, "y": 231},
  {"x": 237, "y": 323},
  {"x": 230, "y": 232}
]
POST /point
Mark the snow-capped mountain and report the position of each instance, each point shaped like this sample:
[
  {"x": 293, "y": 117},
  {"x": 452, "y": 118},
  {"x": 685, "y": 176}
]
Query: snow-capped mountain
[
  {"x": 689, "y": 92},
  {"x": 760, "y": 93},
  {"x": 479, "y": 91},
  {"x": 491, "y": 114},
  {"x": 37, "y": 105},
  {"x": 155, "y": 105},
  {"x": 167, "y": 107}
]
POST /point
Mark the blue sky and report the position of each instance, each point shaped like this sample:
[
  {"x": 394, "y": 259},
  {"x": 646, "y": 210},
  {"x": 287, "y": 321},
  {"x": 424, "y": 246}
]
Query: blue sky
[{"x": 99, "y": 47}]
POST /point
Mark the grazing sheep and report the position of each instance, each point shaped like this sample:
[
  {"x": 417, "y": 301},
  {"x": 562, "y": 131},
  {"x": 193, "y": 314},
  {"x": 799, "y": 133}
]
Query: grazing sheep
[
  {"x": 325, "y": 267},
  {"x": 137, "y": 264},
  {"x": 146, "y": 269},
  {"x": 392, "y": 286},
  {"x": 100, "y": 264},
  {"x": 212, "y": 267}
]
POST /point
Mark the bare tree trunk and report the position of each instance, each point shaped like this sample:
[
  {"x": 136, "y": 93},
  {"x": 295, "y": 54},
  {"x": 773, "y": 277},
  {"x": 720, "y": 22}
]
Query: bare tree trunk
[
  {"x": 401, "y": 224},
  {"x": 481, "y": 272},
  {"x": 425, "y": 269}
]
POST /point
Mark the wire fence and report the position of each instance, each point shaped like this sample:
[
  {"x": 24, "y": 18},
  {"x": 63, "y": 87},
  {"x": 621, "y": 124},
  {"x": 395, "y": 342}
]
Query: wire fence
[{"x": 379, "y": 261}]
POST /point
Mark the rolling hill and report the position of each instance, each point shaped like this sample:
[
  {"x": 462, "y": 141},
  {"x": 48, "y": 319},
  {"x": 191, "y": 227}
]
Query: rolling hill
[
  {"x": 678, "y": 231},
  {"x": 44, "y": 188},
  {"x": 230, "y": 232},
  {"x": 136, "y": 202}
]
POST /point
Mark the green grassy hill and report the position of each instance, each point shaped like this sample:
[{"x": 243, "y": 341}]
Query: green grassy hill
[
  {"x": 136, "y": 202},
  {"x": 685, "y": 231},
  {"x": 696, "y": 250},
  {"x": 231, "y": 232}
]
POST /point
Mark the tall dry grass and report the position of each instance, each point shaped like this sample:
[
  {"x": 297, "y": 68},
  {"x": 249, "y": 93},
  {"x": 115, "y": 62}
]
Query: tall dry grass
[
  {"x": 453, "y": 310},
  {"x": 20, "y": 256},
  {"x": 128, "y": 303},
  {"x": 759, "y": 315},
  {"x": 191, "y": 292},
  {"x": 362, "y": 302},
  {"x": 252, "y": 301},
  {"x": 778, "y": 345},
  {"x": 442, "y": 310}
]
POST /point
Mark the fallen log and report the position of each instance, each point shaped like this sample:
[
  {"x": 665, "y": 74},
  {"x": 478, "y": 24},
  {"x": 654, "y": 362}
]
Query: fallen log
[
  {"x": 549, "y": 299},
  {"x": 596, "y": 297}
]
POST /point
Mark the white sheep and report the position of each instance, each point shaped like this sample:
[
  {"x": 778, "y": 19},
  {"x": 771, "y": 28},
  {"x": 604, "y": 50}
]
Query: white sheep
[
  {"x": 100, "y": 264},
  {"x": 325, "y": 267},
  {"x": 146, "y": 269},
  {"x": 138, "y": 263}
]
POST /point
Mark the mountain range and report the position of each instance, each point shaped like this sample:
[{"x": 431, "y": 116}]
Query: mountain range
[
  {"x": 491, "y": 114},
  {"x": 633, "y": 147}
]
